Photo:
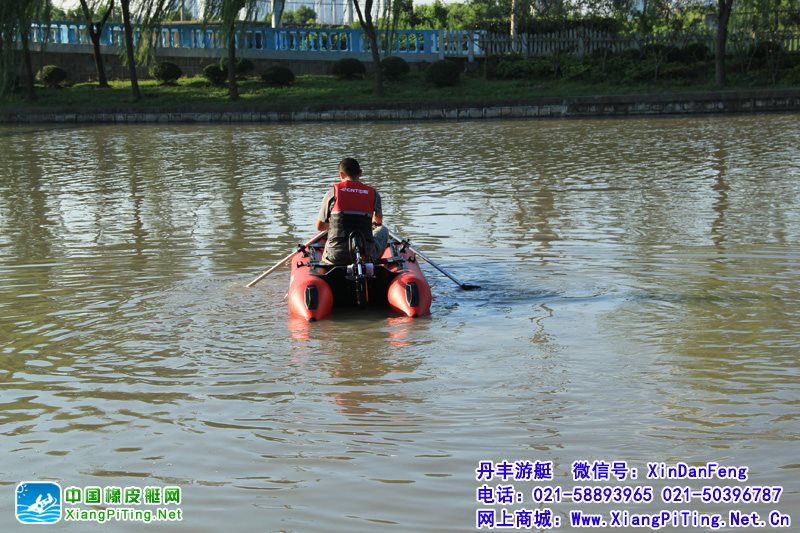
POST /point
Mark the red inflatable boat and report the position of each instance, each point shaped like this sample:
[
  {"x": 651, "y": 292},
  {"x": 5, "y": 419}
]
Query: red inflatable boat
[{"x": 395, "y": 279}]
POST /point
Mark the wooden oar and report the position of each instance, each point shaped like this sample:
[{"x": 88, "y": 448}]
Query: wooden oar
[
  {"x": 465, "y": 286},
  {"x": 280, "y": 263}
]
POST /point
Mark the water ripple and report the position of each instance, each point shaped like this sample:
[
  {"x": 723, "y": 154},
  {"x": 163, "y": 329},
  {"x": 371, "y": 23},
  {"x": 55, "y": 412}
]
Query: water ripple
[{"x": 639, "y": 302}]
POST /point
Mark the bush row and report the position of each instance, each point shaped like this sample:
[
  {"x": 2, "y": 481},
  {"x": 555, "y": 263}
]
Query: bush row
[
  {"x": 392, "y": 67},
  {"x": 51, "y": 76},
  {"x": 694, "y": 62},
  {"x": 691, "y": 63},
  {"x": 441, "y": 73}
]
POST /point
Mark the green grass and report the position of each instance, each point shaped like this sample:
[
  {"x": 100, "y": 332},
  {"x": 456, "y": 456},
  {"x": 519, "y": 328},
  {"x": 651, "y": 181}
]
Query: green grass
[{"x": 195, "y": 94}]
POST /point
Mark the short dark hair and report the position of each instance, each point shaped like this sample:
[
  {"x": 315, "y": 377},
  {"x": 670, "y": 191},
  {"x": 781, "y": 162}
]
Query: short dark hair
[{"x": 350, "y": 167}]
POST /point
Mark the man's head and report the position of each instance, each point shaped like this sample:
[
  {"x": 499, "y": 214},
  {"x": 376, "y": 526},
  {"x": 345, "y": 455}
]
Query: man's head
[{"x": 349, "y": 169}]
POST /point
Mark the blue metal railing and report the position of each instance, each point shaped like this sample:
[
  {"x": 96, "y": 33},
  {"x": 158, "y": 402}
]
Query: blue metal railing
[
  {"x": 196, "y": 36},
  {"x": 408, "y": 43}
]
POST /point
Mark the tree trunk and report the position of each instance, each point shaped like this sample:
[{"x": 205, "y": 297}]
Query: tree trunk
[
  {"x": 95, "y": 30},
  {"x": 126, "y": 20},
  {"x": 94, "y": 34},
  {"x": 8, "y": 76},
  {"x": 26, "y": 54},
  {"x": 365, "y": 18},
  {"x": 722, "y": 39},
  {"x": 514, "y": 26},
  {"x": 376, "y": 61},
  {"x": 277, "y": 13},
  {"x": 233, "y": 89}
]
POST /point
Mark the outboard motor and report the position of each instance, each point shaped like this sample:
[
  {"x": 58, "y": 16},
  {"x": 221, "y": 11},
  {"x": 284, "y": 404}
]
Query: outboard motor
[{"x": 360, "y": 270}]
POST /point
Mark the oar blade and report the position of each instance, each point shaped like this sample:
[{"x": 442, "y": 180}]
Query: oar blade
[{"x": 462, "y": 285}]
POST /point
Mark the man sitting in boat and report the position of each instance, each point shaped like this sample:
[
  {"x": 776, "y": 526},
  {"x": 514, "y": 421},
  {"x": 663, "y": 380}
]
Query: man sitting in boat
[{"x": 351, "y": 207}]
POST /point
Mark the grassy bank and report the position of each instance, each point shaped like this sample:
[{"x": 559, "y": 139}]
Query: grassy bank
[{"x": 196, "y": 94}]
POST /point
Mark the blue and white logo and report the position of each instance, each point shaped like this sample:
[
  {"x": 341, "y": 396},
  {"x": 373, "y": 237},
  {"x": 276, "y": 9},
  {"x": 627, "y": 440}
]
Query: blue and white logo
[{"x": 38, "y": 502}]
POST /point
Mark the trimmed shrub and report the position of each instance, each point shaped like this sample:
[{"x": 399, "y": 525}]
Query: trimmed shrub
[
  {"x": 443, "y": 73},
  {"x": 791, "y": 59},
  {"x": 601, "y": 54},
  {"x": 565, "y": 65},
  {"x": 215, "y": 75},
  {"x": 278, "y": 76},
  {"x": 792, "y": 76},
  {"x": 597, "y": 65},
  {"x": 511, "y": 68},
  {"x": 765, "y": 49},
  {"x": 515, "y": 67},
  {"x": 349, "y": 68},
  {"x": 489, "y": 64},
  {"x": 394, "y": 67},
  {"x": 629, "y": 55},
  {"x": 694, "y": 53},
  {"x": 662, "y": 52},
  {"x": 244, "y": 67},
  {"x": 51, "y": 75},
  {"x": 678, "y": 71},
  {"x": 641, "y": 71},
  {"x": 576, "y": 70},
  {"x": 673, "y": 54},
  {"x": 165, "y": 72}
]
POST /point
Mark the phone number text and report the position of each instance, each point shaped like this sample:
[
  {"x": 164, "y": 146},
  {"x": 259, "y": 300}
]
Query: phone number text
[{"x": 642, "y": 494}]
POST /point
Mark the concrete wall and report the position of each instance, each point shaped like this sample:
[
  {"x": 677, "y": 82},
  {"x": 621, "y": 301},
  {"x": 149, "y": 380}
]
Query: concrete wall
[{"x": 609, "y": 106}]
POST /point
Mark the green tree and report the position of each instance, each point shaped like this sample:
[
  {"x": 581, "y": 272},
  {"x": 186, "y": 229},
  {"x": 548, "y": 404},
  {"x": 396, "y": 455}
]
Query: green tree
[
  {"x": 724, "y": 15},
  {"x": 60, "y": 14},
  {"x": 149, "y": 15},
  {"x": 8, "y": 67},
  {"x": 302, "y": 16},
  {"x": 462, "y": 17},
  {"x": 129, "y": 49},
  {"x": 17, "y": 17},
  {"x": 229, "y": 14},
  {"x": 94, "y": 27},
  {"x": 180, "y": 13},
  {"x": 514, "y": 23},
  {"x": 403, "y": 13},
  {"x": 769, "y": 22},
  {"x": 492, "y": 15},
  {"x": 368, "y": 24},
  {"x": 430, "y": 15}
]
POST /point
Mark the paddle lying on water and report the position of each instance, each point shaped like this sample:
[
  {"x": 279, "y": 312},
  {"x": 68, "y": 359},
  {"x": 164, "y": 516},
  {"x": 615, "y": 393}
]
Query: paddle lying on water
[
  {"x": 280, "y": 263},
  {"x": 465, "y": 286}
]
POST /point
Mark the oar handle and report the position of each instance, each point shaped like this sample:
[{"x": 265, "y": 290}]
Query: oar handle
[
  {"x": 431, "y": 262},
  {"x": 282, "y": 262}
]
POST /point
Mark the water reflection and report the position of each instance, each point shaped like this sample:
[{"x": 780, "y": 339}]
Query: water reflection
[
  {"x": 363, "y": 367},
  {"x": 721, "y": 188}
]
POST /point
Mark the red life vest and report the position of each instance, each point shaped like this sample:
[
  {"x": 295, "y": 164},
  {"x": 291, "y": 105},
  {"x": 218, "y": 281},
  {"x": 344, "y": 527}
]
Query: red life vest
[
  {"x": 353, "y": 197},
  {"x": 351, "y": 212}
]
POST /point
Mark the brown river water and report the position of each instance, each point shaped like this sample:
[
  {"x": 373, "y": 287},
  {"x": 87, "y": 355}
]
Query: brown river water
[{"x": 640, "y": 302}]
